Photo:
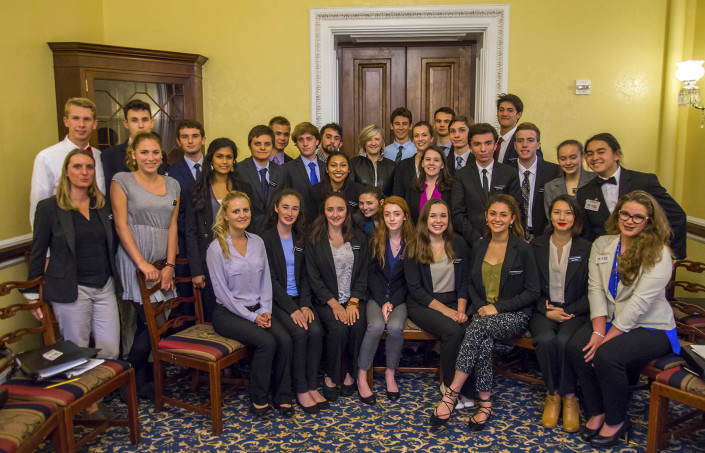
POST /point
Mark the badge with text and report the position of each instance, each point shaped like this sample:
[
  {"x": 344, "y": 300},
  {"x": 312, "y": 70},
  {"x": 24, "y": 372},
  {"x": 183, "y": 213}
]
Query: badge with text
[
  {"x": 516, "y": 272},
  {"x": 602, "y": 259},
  {"x": 592, "y": 205},
  {"x": 575, "y": 259}
]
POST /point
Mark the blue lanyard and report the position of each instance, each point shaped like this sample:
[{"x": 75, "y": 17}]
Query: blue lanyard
[{"x": 614, "y": 277}]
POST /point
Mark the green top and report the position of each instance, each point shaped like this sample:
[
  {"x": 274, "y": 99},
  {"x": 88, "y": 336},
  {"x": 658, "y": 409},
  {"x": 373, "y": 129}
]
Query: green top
[{"x": 491, "y": 276}]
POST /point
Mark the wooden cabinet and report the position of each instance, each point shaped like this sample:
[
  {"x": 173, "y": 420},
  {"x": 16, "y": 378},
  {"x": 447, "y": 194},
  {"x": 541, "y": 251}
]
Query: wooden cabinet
[{"x": 171, "y": 82}]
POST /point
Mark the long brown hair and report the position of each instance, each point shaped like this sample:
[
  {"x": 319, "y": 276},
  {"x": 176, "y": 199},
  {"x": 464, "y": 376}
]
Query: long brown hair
[
  {"x": 645, "y": 249},
  {"x": 381, "y": 233},
  {"x": 221, "y": 227},
  {"x": 319, "y": 228},
  {"x": 511, "y": 203},
  {"x": 420, "y": 248},
  {"x": 273, "y": 217},
  {"x": 445, "y": 180},
  {"x": 63, "y": 188}
]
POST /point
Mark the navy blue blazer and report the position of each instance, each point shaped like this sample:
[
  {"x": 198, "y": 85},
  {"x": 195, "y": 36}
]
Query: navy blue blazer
[
  {"x": 381, "y": 280},
  {"x": 298, "y": 179},
  {"x": 545, "y": 172},
  {"x": 511, "y": 154},
  {"x": 260, "y": 201},
  {"x": 519, "y": 282},
  {"x": 181, "y": 172}
]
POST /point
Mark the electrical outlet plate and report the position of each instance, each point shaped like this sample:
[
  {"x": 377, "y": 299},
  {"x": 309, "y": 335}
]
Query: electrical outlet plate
[{"x": 582, "y": 87}]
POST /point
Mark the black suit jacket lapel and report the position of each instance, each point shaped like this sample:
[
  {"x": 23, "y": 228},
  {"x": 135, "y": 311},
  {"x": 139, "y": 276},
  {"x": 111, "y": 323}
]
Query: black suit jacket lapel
[
  {"x": 476, "y": 270},
  {"x": 509, "y": 258},
  {"x": 249, "y": 167},
  {"x": 279, "y": 258},
  {"x": 572, "y": 266},
  {"x": 625, "y": 182},
  {"x": 66, "y": 223},
  {"x": 104, "y": 216},
  {"x": 543, "y": 257}
]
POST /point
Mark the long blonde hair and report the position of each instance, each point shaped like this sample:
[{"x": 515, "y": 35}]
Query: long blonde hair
[
  {"x": 221, "y": 227},
  {"x": 63, "y": 188},
  {"x": 645, "y": 249}
]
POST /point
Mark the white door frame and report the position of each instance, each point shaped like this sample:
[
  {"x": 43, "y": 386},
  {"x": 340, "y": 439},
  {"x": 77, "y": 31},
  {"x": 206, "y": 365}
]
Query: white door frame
[{"x": 488, "y": 24}]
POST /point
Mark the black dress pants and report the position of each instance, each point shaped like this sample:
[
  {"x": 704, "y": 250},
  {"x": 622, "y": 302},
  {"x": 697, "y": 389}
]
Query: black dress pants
[
  {"x": 342, "y": 339},
  {"x": 307, "y": 350}
]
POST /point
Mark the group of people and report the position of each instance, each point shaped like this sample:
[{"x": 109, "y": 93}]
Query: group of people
[{"x": 466, "y": 231}]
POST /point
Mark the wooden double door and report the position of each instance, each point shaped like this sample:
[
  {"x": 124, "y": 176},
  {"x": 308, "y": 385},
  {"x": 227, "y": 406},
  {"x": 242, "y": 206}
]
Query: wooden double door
[{"x": 376, "y": 79}]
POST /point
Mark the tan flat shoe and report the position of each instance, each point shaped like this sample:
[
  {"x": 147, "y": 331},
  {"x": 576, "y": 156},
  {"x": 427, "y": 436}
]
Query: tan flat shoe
[
  {"x": 551, "y": 411},
  {"x": 571, "y": 415}
]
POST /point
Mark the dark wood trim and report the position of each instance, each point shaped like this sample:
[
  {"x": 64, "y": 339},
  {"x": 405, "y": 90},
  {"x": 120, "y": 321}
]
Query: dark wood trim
[
  {"x": 131, "y": 52},
  {"x": 697, "y": 230},
  {"x": 15, "y": 251}
]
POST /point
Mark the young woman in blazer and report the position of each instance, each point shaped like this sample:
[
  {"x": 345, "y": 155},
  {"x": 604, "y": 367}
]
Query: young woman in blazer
[
  {"x": 562, "y": 258},
  {"x": 433, "y": 181},
  {"x": 239, "y": 270},
  {"x": 367, "y": 218},
  {"x": 386, "y": 295},
  {"x": 370, "y": 168},
  {"x": 632, "y": 322},
  {"x": 435, "y": 267},
  {"x": 283, "y": 238},
  {"x": 573, "y": 177},
  {"x": 408, "y": 169},
  {"x": 218, "y": 177},
  {"x": 338, "y": 180},
  {"x": 504, "y": 286},
  {"x": 336, "y": 260}
]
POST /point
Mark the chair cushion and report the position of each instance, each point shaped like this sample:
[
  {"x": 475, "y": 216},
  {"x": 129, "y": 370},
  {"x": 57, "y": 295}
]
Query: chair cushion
[
  {"x": 24, "y": 388},
  {"x": 409, "y": 325},
  {"x": 667, "y": 362},
  {"x": 200, "y": 341},
  {"x": 19, "y": 419},
  {"x": 696, "y": 321}
]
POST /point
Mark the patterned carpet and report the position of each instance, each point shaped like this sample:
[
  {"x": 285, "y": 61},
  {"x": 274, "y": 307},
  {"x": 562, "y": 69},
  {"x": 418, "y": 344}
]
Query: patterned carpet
[{"x": 351, "y": 426}]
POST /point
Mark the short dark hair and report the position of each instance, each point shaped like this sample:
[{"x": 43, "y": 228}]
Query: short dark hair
[
  {"x": 526, "y": 126},
  {"x": 280, "y": 120},
  {"x": 190, "y": 124},
  {"x": 512, "y": 99},
  {"x": 401, "y": 111},
  {"x": 258, "y": 130},
  {"x": 335, "y": 126},
  {"x": 577, "y": 214},
  {"x": 607, "y": 138},
  {"x": 461, "y": 119},
  {"x": 136, "y": 105},
  {"x": 482, "y": 128},
  {"x": 447, "y": 110}
]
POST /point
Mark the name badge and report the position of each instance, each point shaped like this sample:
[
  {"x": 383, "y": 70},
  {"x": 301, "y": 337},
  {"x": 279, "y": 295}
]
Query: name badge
[
  {"x": 174, "y": 203},
  {"x": 110, "y": 217},
  {"x": 355, "y": 247},
  {"x": 298, "y": 249},
  {"x": 499, "y": 187},
  {"x": 458, "y": 261},
  {"x": 516, "y": 272},
  {"x": 541, "y": 190},
  {"x": 592, "y": 205},
  {"x": 602, "y": 259},
  {"x": 353, "y": 204},
  {"x": 575, "y": 259},
  {"x": 272, "y": 183}
]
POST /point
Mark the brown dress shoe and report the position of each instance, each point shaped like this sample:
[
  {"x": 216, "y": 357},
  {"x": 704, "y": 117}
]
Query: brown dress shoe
[
  {"x": 571, "y": 415},
  {"x": 551, "y": 411}
]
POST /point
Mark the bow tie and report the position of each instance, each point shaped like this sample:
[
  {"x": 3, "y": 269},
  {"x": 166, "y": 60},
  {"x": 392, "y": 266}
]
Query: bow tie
[{"x": 611, "y": 180}]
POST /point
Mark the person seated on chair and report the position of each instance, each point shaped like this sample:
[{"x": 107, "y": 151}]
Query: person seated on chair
[
  {"x": 80, "y": 278},
  {"x": 370, "y": 168},
  {"x": 632, "y": 322},
  {"x": 435, "y": 267},
  {"x": 562, "y": 258},
  {"x": 219, "y": 176},
  {"x": 504, "y": 286},
  {"x": 366, "y": 218},
  {"x": 408, "y": 169},
  {"x": 338, "y": 180},
  {"x": 433, "y": 181},
  {"x": 145, "y": 208},
  {"x": 386, "y": 296},
  {"x": 336, "y": 260},
  {"x": 239, "y": 270},
  {"x": 283, "y": 238}
]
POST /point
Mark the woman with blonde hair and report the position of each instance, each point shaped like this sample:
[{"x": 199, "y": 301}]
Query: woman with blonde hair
[
  {"x": 370, "y": 168},
  {"x": 240, "y": 273},
  {"x": 632, "y": 322}
]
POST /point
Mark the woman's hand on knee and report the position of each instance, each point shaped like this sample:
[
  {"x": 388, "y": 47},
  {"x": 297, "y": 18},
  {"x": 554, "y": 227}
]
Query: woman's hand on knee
[
  {"x": 387, "y": 310},
  {"x": 591, "y": 347},
  {"x": 299, "y": 319},
  {"x": 353, "y": 312},
  {"x": 308, "y": 314},
  {"x": 339, "y": 313}
]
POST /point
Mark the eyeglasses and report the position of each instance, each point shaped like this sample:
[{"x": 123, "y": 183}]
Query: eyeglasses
[{"x": 636, "y": 218}]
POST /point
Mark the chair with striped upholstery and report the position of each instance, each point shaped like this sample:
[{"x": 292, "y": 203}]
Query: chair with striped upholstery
[
  {"x": 25, "y": 424},
  {"x": 197, "y": 347}
]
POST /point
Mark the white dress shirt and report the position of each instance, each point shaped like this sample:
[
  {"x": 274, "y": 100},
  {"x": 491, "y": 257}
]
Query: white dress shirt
[
  {"x": 191, "y": 165},
  {"x": 465, "y": 156},
  {"x": 505, "y": 142},
  {"x": 47, "y": 171},
  {"x": 489, "y": 173},
  {"x": 611, "y": 191},
  {"x": 532, "y": 183},
  {"x": 306, "y": 162}
]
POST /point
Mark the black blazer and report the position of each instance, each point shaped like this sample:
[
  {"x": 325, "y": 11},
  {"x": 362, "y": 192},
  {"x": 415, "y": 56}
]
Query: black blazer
[
  {"x": 321, "y": 269},
  {"x": 381, "y": 280},
  {"x": 199, "y": 230},
  {"x": 576, "y": 276},
  {"x": 53, "y": 231},
  {"x": 299, "y": 180},
  {"x": 413, "y": 199},
  {"x": 404, "y": 175},
  {"x": 545, "y": 172},
  {"x": 181, "y": 172},
  {"x": 450, "y": 160},
  {"x": 277, "y": 267},
  {"x": 363, "y": 173},
  {"x": 511, "y": 155},
  {"x": 260, "y": 201},
  {"x": 519, "y": 283},
  {"x": 630, "y": 180},
  {"x": 469, "y": 202},
  {"x": 420, "y": 283},
  {"x": 351, "y": 192}
]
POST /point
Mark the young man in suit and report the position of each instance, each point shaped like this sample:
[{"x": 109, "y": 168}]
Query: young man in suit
[
  {"x": 137, "y": 118},
  {"x": 460, "y": 153},
  {"x": 331, "y": 141},
  {"x": 476, "y": 182},
  {"x": 306, "y": 170},
  {"x": 265, "y": 177},
  {"x": 441, "y": 125},
  {"x": 400, "y": 124},
  {"x": 79, "y": 118},
  {"x": 282, "y": 130},
  {"x": 533, "y": 174},
  {"x": 509, "y": 111},
  {"x": 599, "y": 197}
]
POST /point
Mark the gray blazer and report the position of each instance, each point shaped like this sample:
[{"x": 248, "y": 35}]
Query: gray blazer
[{"x": 556, "y": 187}]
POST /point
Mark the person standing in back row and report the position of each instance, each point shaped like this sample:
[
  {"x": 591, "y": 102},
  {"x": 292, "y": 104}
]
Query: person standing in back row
[{"x": 402, "y": 147}]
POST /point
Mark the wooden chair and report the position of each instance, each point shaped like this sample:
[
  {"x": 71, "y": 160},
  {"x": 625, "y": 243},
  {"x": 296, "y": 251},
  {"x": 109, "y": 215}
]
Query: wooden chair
[
  {"x": 521, "y": 364},
  {"x": 197, "y": 347},
  {"x": 70, "y": 398}
]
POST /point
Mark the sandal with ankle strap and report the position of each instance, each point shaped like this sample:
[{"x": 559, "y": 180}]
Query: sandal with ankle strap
[
  {"x": 452, "y": 395},
  {"x": 487, "y": 411}
]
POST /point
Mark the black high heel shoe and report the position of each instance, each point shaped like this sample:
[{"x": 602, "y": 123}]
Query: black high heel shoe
[
  {"x": 261, "y": 412},
  {"x": 309, "y": 409},
  {"x": 392, "y": 396},
  {"x": 369, "y": 400},
  {"x": 475, "y": 426},
  {"x": 452, "y": 396},
  {"x": 610, "y": 441},
  {"x": 330, "y": 393},
  {"x": 588, "y": 433},
  {"x": 347, "y": 390},
  {"x": 287, "y": 412}
]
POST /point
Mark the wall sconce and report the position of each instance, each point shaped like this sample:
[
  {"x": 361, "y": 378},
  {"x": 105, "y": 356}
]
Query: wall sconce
[{"x": 689, "y": 72}]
